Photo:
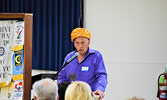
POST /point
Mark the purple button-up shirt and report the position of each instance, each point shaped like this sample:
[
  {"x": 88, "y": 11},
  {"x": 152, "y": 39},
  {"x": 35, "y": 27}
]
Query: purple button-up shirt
[{"x": 90, "y": 70}]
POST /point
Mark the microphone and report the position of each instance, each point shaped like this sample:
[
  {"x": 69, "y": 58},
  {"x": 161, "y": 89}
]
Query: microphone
[
  {"x": 67, "y": 62},
  {"x": 73, "y": 57}
]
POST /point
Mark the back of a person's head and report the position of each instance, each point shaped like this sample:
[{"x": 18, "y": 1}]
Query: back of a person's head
[
  {"x": 45, "y": 89},
  {"x": 62, "y": 88},
  {"x": 78, "y": 91}
]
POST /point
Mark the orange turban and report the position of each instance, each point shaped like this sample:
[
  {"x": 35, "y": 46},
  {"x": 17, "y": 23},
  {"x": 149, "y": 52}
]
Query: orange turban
[{"x": 80, "y": 32}]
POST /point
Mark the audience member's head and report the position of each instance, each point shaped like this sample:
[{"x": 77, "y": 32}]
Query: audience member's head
[
  {"x": 62, "y": 89},
  {"x": 45, "y": 89},
  {"x": 78, "y": 91},
  {"x": 134, "y": 98}
]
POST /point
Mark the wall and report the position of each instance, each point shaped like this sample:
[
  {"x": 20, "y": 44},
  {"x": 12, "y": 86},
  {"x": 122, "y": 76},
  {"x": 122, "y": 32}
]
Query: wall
[{"x": 131, "y": 35}]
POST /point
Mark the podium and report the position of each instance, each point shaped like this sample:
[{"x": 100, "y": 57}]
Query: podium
[
  {"x": 27, "y": 54},
  {"x": 42, "y": 76}
]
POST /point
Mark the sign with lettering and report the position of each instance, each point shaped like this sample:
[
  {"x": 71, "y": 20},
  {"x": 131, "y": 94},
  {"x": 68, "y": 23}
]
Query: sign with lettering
[
  {"x": 6, "y": 47},
  {"x": 11, "y": 59}
]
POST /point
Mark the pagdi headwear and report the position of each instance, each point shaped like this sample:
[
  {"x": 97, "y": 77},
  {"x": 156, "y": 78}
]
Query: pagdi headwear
[{"x": 80, "y": 32}]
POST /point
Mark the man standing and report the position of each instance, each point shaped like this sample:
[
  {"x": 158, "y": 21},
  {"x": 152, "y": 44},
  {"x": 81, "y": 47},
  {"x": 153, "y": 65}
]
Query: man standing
[{"x": 88, "y": 66}]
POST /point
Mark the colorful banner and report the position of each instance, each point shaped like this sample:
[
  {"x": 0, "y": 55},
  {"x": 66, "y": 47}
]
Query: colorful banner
[
  {"x": 18, "y": 65},
  {"x": 11, "y": 59},
  {"x": 18, "y": 33},
  {"x": 18, "y": 90}
]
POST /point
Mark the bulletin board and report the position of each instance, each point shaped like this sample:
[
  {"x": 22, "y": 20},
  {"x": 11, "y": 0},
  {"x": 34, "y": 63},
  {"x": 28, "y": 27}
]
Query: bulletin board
[{"x": 15, "y": 56}]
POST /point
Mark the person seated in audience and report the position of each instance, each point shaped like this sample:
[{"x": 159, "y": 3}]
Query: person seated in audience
[
  {"x": 61, "y": 89},
  {"x": 45, "y": 89},
  {"x": 78, "y": 91}
]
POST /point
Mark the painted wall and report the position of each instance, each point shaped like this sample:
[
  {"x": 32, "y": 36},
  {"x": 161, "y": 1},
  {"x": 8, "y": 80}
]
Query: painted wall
[{"x": 132, "y": 36}]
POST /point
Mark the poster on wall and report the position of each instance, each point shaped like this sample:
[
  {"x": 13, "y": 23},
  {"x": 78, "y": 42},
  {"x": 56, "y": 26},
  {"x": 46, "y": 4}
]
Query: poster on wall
[
  {"x": 11, "y": 59},
  {"x": 18, "y": 65},
  {"x": 19, "y": 33},
  {"x": 18, "y": 90},
  {"x": 6, "y": 51}
]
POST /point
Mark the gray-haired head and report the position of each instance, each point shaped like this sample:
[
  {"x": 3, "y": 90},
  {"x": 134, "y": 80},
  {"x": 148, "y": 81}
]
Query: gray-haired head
[{"x": 45, "y": 89}]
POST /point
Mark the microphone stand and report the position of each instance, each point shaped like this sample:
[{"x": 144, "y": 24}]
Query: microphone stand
[
  {"x": 56, "y": 76},
  {"x": 67, "y": 62}
]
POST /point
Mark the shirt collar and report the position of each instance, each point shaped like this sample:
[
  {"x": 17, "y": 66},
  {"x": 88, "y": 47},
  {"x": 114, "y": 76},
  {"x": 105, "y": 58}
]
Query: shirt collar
[{"x": 90, "y": 51}]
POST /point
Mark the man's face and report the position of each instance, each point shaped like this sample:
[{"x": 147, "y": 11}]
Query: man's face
[{"x": 81, "y": 44}]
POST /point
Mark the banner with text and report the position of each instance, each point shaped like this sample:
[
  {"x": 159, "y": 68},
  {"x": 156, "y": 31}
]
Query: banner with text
[{"x": 11, "y": 59}]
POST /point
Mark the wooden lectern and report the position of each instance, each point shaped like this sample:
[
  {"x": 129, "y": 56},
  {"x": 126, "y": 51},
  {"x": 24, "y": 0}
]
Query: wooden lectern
[{"x": 28, "y": 18}]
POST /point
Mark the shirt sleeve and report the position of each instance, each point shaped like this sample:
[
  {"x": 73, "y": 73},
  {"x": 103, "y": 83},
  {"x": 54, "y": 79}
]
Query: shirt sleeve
[
  {"x": 101, "y": 74},
  {"x": 61, "y": 76},
  {"x": 62, "y": 73}
]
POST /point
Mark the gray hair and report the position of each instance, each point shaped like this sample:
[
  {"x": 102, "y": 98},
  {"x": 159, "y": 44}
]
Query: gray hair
[{"x": 45, "y": 89}]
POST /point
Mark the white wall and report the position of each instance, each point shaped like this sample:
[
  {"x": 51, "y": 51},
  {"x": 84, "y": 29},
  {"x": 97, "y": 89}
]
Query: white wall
[{"x": 131, "y": 35}]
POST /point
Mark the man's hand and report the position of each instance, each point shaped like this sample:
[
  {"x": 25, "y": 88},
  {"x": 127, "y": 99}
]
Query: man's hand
[{"x": 100, "y": 93}]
